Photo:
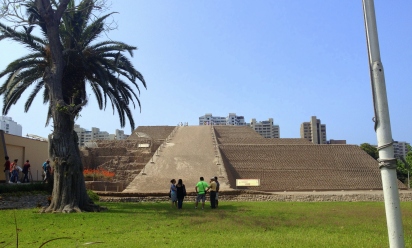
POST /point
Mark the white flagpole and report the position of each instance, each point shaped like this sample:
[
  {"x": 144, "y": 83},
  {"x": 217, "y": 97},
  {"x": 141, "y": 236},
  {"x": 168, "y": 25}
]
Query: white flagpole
[{"x": 387, "y": 162}]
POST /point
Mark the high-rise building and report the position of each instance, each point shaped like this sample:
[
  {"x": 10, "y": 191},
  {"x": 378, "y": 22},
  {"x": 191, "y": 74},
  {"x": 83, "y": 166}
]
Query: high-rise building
[
  {"x": 400, "y": 148},
  {"x": 313, "y": 131},
  {"x": 9, "y": 126},
  {"x": 234, "y": 120},
  {"x": 265, "y": 128},
  {"x": 208, "y": 119},
  {"x": 231, "y": 119}
]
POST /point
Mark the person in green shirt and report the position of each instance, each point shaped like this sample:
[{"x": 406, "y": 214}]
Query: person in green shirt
[{"x": 200, "y": 189}]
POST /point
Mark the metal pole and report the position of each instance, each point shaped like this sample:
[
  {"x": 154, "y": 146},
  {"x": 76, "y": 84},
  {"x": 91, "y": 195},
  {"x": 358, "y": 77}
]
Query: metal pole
[{"x": 387, "y": 162}]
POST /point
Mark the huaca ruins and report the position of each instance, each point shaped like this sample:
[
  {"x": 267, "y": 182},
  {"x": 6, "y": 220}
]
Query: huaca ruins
[{"x": 153, "y": 155}]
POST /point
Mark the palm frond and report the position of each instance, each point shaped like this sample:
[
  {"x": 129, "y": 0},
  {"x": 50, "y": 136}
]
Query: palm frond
[
  {"x": 48, "y": 116},
  {"x": 32, "y": 95},
  {"x": 31, "y": 42},
  {"x": 103, "y": 65}
]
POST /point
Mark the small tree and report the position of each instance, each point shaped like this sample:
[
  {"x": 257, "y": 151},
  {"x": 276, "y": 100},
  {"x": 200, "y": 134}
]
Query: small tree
[
  {"x": 404, "y": 167},
  {"x": 371, "y": 150}
]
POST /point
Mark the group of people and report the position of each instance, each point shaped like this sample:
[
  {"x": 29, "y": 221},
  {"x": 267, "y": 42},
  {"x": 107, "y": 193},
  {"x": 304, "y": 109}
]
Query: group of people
[
  {"x": 12, "y": 171},
  {"x": 178, "y": 192}
]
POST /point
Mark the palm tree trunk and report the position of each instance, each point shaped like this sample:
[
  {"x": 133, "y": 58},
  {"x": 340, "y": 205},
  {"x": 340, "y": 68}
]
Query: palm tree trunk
[{"x": 69, "y": 189}]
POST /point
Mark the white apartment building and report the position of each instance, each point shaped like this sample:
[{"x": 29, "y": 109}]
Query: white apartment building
[
  {"x": 95, "y": 134},
  {"x": 9, "y": 126},
  {"x": 231, "y": 119},
  {"x": 400, "y": 148},
  {"x": 265, "y": 128},
  {"x": 313, "y": 131},
  {"x": 208, "y": 119}
]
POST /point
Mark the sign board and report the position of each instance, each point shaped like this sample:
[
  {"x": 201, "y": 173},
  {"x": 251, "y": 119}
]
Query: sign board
[
  {"x": 144, "y": 145},
  {"x": 247, "y": 182}
]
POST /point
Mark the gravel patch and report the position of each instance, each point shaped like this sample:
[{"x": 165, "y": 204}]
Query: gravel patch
[{"x": 23, "y": 202}]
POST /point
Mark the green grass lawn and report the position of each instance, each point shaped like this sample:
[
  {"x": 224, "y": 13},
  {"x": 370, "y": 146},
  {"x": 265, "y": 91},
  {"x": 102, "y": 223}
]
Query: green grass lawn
[{"x": 234, "y": 224}]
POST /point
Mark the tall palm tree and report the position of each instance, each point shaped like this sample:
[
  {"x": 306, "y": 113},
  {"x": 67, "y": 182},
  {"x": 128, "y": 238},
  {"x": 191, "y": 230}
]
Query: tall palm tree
[{"x": 102, "y": 65}]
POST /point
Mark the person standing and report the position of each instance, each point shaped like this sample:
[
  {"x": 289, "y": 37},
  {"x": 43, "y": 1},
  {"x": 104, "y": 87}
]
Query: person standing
[
  {"x": 212, "y": 189},
  {"x": 217, "y": 192},
  {"x": 7, "y": 169},
  {"x": 45, "y": 165},
  {"x": 173, "y": 192},
  {"x": 26, "y": 170},
  {"x": 181, "y": 193},
  {"x": 200, "y": 189},
  {"x": 15, "y": 169}
]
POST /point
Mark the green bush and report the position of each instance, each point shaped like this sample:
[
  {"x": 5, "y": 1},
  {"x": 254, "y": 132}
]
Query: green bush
[
  {"x": 17, "y": 188},
  {"x": 93, "y": 196}
]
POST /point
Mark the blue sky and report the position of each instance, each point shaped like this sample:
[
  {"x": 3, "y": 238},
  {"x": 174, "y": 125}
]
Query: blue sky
[{"x": 286, "y": 60}]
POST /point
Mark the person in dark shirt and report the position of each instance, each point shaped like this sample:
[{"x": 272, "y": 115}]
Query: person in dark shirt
[
  {"x": 7, "y": 169},
  {"x": 181, "y": 193},
  {"x": 26, "y": 170},
  {"x": 217, "y": 191}
]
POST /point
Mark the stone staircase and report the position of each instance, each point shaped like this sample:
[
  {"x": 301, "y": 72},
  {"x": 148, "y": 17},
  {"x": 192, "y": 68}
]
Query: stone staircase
[
  {"x": 125, "y": 158},
  {"x": 189, "y": 153}
]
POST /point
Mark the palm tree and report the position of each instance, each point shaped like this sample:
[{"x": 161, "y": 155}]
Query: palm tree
[{"x": 102, "y": 65}]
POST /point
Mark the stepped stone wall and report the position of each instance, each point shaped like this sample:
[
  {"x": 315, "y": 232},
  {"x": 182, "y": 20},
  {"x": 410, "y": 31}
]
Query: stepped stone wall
[
  {"x": 154, "y": 132},
  {"x": 294, "y": 165},
  {"x": 125, "y": 158},
  {"x": 191, "y": 151},
  {"x": 255, "y": 141},
  {"x": 236, "y": 132}
]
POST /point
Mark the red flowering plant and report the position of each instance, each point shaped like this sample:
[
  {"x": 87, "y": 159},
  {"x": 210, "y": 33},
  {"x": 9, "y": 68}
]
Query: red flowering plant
[{"x": 98, "y": 174}]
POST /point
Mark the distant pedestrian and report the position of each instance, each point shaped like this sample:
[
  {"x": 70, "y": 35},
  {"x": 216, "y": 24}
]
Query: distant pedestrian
[
  {"x": 45, "y": 165},
  {"x": 212, "y": 188},
  {"x": 7, "y": 169},
  {"x": 47, "y": 171},
  {"x": 200, "y": 189},
  {"x": 217, "y": 192},
  {"x": 173, "y": 192},
  {"x": 15, "y": 169},
  {"x": 181, "y": 193},
  {"x": 26, "y": 170}
]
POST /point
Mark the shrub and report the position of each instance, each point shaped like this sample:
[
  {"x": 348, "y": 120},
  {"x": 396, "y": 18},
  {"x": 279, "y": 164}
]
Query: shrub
[
  {"x": 23, "y": 187},
  {"x": 98, "y": 174},
  {"x": 93, "y": 196}
]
